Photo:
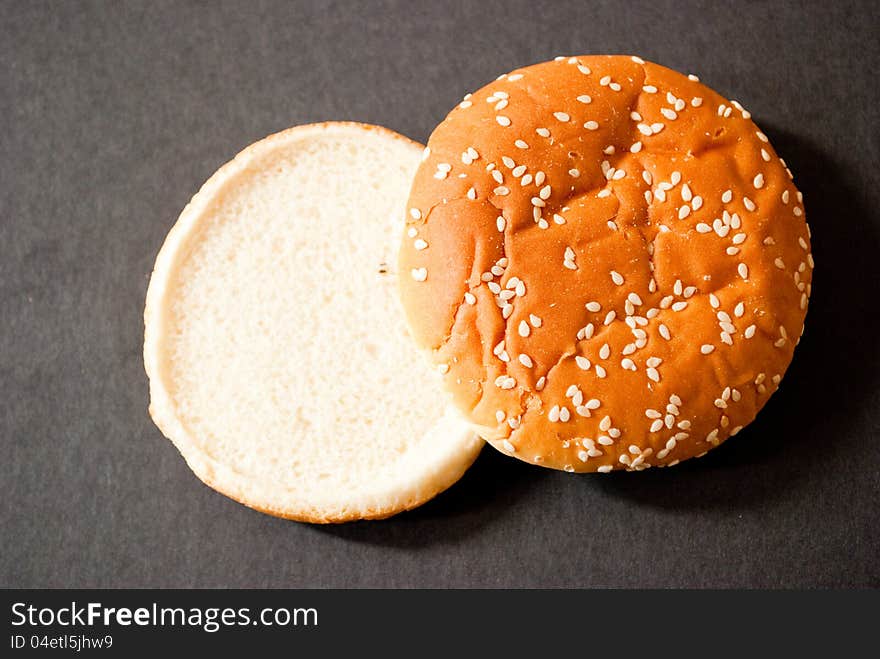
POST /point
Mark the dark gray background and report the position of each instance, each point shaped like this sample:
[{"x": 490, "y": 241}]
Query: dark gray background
[{"x": 113, "y": 114}]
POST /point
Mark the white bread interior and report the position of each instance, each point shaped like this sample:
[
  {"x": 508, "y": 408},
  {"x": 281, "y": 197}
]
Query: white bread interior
[{"x": 278, "y": 357}]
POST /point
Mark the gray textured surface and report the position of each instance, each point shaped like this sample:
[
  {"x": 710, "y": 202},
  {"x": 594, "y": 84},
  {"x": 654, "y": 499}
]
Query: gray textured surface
[{"x": 113, "y": 115}]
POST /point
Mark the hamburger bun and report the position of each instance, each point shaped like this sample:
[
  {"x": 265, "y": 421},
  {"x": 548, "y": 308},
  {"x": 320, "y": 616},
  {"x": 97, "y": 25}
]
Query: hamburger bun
[
  {"x": 608, "y": 260},
  {"x": 278, "y": 357}
]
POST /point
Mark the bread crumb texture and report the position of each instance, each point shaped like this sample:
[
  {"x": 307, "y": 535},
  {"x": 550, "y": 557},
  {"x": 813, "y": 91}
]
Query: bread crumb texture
[
  {"x": 278, "y": 356},
  {"x": 608, "y": 260}
]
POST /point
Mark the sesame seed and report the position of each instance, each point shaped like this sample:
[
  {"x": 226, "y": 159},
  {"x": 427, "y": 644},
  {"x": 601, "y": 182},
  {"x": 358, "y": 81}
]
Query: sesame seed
[
  {"x": 535, "y": 320},
  {"x": 593, "y": 306},
  {"x": 505, "y": 382},
  {"x": 518, "y": 171},
  {"x": 561, "y": 116},
  {"x": 758, "y": 181},
  {"x": 419, "y": 274},
  {"x": 526, "y": 361},
  {"x": 628, "y": 364},
  {"x": 664, "y": 332},
  {"x": 679, "y": 306},
  {"x": 743, "y": 270},
  {"x": 726, "y": 197},
  {"x": 583, "y": 68},
  {"x": 683, "y": 212},
  {"x": 500, "y": 223},
  {"x": 520, "y": 144},
  {"x": 524, "y": 329},
  {"x": 564, "y": 414},
  {"x": 584, "y": 98},
  {"x": 545, "y": 192},
  {"x": 669, "y": 114},
  {"x": 539, "y": 178},
  {"x": 749, "y": 204},
  {"x": 657, "y": 425},
  {"x": 649, "y": 89},
  {"x": 502, "y": 120},
  {"x": 785, "y": 196},
  {"x": 472, "y": 193},
  {"x": 415, "y": 213},
  {"x": 610, "y": 316},
  {"x": 558, "y": 219},
  {"x": 616, "y": 277},
  {"x": 702, "y": 227},
  {"x": 412, "y": 232},
  {"x": 420, "y": 244},
  {"x": 470, "y": 298},
  {"x": 543, "y": 132},
  {"x": 500, "y": 191},
  {"x": 574, "y": 173},
  {"x": 582, "y": 362},
  {"x": 644, "y": 129}
]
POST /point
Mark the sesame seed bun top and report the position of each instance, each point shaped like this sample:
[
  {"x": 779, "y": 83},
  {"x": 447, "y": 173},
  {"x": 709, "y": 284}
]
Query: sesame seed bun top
[{"x": 608, "y": 262}]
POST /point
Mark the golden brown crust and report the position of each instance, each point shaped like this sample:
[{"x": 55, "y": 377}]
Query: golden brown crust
[{"x": 578, "y": 211}]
